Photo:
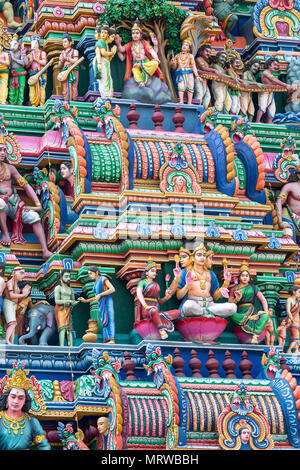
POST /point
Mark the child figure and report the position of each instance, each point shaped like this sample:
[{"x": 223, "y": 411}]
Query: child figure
[
  {"x": 281, "y": 330},
  {"x": 270, "y": 334}
]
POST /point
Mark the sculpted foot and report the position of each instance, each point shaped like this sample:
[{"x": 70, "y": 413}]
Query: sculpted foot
[
  {"x": 5, "y": 240},
  {"x": 46, "y": 254}
]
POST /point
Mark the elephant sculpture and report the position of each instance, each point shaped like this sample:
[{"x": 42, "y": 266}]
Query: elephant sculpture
[{"x": 41, "y": 325}]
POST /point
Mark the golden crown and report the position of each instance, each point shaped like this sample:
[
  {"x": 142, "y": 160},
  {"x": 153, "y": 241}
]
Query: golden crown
[
  {"x": 18, "y": 379},
  {"x": 200, "y": 247},
  {"x": 150, "y": 264},
  {"x": 136, "y": 25},
  {"x": 244, "y": 267},
  {"x": 184, "y": 250}
]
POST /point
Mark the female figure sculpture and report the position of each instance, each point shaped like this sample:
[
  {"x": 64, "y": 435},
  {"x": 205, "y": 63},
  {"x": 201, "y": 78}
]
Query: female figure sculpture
[
  {"x": 18, "y": 429},
  {"x": 249, "y": 317},
  {"x": 37, "y": 61},
  {"x": 103, "y": 57},
  {"x": 66, "y": 171},
  {"x": 148, "y": 294},
  {"x": 103, "y": 290}
]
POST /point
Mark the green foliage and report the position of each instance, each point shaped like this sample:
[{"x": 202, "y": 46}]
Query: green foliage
[{"x": 145, "y": 10}]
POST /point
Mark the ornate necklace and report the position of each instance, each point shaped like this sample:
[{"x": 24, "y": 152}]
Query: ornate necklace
[
  {"x": 3, "y": 172},
  {"x": 185, "y": 59},
  {"x": 14, "y": 424},
  {"x": 137, "y": 49},
  {"x": 202, "y": 281}
]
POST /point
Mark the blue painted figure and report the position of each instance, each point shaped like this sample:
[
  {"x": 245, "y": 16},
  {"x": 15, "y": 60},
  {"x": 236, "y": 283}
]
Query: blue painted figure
[{"x": 103, "y": 289}]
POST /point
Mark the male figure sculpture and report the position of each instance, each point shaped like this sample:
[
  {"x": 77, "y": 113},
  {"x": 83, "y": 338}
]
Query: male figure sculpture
[{"x": 11, "y": 205}]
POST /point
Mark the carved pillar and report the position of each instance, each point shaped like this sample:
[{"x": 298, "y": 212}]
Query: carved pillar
[{"x": 53, "y": 48}]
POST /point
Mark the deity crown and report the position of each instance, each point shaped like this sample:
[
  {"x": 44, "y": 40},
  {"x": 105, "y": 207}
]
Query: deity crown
[
  {"x": 244, "y": 267},
  {"x": 200, "y": 247},
  {"x": 136, "y": 25},
  {"x": 18, "y": 378},
  {"x": 150, "y": 264}
]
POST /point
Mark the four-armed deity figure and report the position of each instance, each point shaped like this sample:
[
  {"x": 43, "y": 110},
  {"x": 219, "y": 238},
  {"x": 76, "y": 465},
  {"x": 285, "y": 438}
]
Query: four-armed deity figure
[
  {"x": 142, "y": 60},
  {"x": 198, "y": 288}
]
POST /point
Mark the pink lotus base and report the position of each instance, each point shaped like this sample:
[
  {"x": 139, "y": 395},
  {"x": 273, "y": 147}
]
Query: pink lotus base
[
  {"x": 245, "y": 338},
  {"x": 147, "y": 330},
  {"x": 201, "y": 329}
]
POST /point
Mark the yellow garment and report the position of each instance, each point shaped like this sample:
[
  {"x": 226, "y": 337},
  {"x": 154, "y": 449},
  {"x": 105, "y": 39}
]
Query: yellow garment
[
  {"x": 3, "y": 85},
  {"x": 37, "y": 93},
  {"x": 148, "y": 68}
]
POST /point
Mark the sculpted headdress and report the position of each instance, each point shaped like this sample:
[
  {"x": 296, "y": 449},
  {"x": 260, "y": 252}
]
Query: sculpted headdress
[
  {"x": 137, "y": 25},
  {"x": 150, "y": 264},
  {"x": 244, "y": 267},
  {"x": 200, "y": 247}
]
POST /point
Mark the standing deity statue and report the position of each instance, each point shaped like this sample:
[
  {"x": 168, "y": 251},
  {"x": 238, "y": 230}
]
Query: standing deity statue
[
  {"x": 37, "y": 63},
  {"x": 148, "y": 294},
  {"x": 202, "y": 91},
  {"x": 13, "y": 207},
  {"x": 19, "y": 430},
  {"x": 17, "y": 74},
  {"x": 248, "y": 76},
  {"x": 12, "y": 297},
  {"x": 2, "y": 288},
  {"x": 288, "y": 205},
  {"x": 186, "y": 69},
  {"x": 104, "y": 35},
  {"x": 266, "y": 100},
  {"x": 220, "y": 89},
  {"x": 293, "y": 321},
  {"x": 142, "y": 60},
  {"x": 67, "y": 60},
  {"x": 248, "y": 299},
  {"x": 103, "y": 290},
  {"x": 4, "y": 74},
  {"x": 64, "y": 299},
  {"x": 199, "y": 289},
  {"x": 281, "y": 330}
]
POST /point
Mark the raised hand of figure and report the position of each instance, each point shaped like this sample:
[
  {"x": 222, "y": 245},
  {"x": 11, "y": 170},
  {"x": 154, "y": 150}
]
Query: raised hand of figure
[
  {"x": 189, "y": 278},
  {"x": 154, "y": 39},
  {"x": 168, "y": 294},
  {"x": 114, "y": 50},
  {"x": 225, "y": 292},
  {"x": 227, "y": 274},
  {"x": 118, "y": 39},
  {"x": 82, "y": 299},
  {"x": 237, "y": 295},
  {"x": 177, "y": 270}
]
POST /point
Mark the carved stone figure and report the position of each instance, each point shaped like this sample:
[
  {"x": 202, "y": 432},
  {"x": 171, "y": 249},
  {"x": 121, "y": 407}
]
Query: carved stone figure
[
  {"x": 4, "y": 74},
  {"x": 67, "y": 63},
  {"x": 2, "y": 287},
  {"x": 66, "y": 171},
  {"x": 148, "y": 294},
  {"x": 103, "y": 424},
  {"x": 202, "y": 91},
  {"x": 17, "y": 74},
  {"x": 222, "y": 10},
  {"x": 19, "y": 430},
  {"x": 185, "y": 66},
  {"x": 64, "y": 299},
  {"x": 248, "y": 76},
  {"x": 220, "y": 89},
  {"x": 293, "y": 321},
  {"x": 199, "y": 289},
  {"x": 12, "y": 297},
  {"x": 104, "y": 35},
  {"x": 40, "y": 321},
  {"x": 37, "y": 63},
  {"x": 266, "y": 100},
  {"x": 287, "y": 205},
  {"x": 281, "y": 330},
  {"x": 6, "y": 8},
  {"x": 103, "y": 290},
  {"x": 249, "y": 317},
  {"x": 11, "y": 205}
]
